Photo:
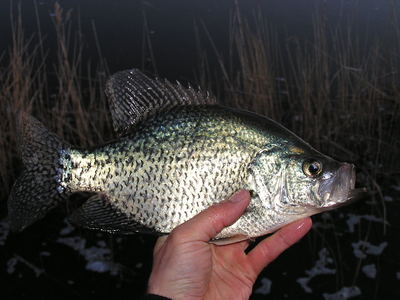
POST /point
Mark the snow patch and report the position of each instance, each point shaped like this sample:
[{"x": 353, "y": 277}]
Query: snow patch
[
  {"x": 388, "y": 198},
  {"x": 362, "y": 248},
  {"x": 320, "y": 268},
  {"x": 98, "y": 258},
  {"x": 396, "y": 187},
  {"x": 322, "y": 225},
  {"x": 369, "y": 270},
  {"x": 98, "y": 266},
  {"x": 11, "y": 263},
  {"x": 77, "y": 243},
  {"x": 265, "y": 287},
  {"x": 343, "y": 293},
  {"x": 355, "y": 219},
  {"x": 67, "y": 229}
]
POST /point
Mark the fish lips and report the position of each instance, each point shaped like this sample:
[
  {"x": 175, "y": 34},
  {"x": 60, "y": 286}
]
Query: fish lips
[{"x": 338, "y": 188}]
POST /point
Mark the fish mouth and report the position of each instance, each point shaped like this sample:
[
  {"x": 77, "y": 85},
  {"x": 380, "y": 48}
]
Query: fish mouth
[{"x": 339, "y": 188}]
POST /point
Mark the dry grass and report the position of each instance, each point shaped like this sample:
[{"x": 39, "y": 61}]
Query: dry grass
[
  {"x": 68, "y": 97},
  {"x": 331, "y": 90}
]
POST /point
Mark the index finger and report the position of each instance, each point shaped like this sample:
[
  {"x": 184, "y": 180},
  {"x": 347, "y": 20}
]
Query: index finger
[
  {"x": 270, "y": 248},
  {"x": 211, "y": 221}
]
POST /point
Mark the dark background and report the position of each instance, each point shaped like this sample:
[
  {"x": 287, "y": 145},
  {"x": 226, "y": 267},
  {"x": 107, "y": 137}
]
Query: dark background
[{"x": 120, "y": 25}]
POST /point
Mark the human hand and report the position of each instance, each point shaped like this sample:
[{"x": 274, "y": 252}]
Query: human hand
[{"x": 187, "y": 266}]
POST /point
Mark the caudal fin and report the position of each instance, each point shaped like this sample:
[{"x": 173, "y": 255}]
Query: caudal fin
[{"x": 38, "y": 188}]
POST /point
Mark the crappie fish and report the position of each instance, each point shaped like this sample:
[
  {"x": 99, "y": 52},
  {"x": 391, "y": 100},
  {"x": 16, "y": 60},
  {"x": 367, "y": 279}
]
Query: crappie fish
[{"x": 178, "y": 152}]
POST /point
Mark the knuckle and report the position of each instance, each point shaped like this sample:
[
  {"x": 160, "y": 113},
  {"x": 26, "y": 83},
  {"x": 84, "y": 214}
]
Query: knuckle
[
  {"x": 283, "y": 241},
  {"x": 266, "y": 252},
  {"x": 217, "y": 223}
]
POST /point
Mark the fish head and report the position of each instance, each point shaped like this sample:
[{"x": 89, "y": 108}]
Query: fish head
[
  {"x": 318, "y": 183},
  {"x": 296, "y": 184}
]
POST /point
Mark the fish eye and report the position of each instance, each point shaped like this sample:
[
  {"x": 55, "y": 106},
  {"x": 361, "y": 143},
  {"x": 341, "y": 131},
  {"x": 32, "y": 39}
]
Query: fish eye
[{"x": 312, "y": 168}]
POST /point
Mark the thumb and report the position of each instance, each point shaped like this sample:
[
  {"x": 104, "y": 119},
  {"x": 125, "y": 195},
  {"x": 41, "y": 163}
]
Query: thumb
[{"x": 211, "y": 221}]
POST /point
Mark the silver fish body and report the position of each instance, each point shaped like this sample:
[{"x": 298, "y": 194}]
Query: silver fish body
[{"x": 169, "y": 165}]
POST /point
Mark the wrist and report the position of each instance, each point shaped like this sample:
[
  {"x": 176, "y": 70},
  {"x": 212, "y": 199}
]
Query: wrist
[
  {"x": 169, "y": 290},
  {"x": 155, "y": 288}
]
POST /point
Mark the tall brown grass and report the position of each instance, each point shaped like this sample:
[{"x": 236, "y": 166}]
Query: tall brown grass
[
  {"x": 336, "y": 91},
  {"x": 68, "y": 97}
]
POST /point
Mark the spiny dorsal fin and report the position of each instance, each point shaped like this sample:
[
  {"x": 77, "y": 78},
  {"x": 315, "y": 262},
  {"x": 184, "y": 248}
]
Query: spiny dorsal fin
[{"x": 134, "y": 97}]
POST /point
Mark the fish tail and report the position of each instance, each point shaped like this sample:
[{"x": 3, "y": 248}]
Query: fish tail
[{"x": 39, "y": 188}]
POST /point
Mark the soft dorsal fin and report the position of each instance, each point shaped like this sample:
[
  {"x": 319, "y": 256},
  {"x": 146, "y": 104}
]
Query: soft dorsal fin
[{"x": 134, "y": 97}]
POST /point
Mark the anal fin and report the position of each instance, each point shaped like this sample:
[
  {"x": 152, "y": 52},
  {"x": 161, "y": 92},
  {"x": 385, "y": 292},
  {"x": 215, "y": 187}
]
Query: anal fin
[{"x": 99, "y": 214}]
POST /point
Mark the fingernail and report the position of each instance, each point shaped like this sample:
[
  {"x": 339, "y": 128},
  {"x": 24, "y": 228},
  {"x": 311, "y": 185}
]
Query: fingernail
[
  {"x": 237, "y": 197},
  {"x": 301, "y": 224}
]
